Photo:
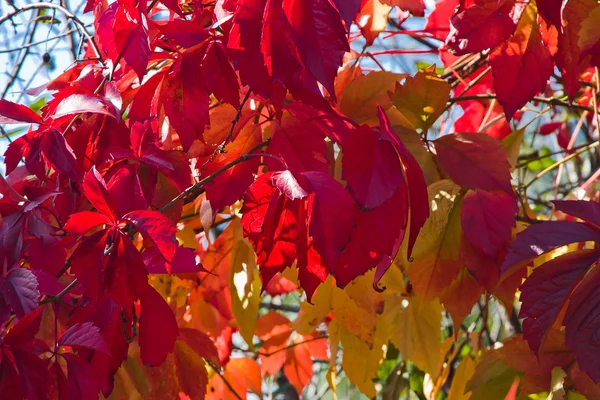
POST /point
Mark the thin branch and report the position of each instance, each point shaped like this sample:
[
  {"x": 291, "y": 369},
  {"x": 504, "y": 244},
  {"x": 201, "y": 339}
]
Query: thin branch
[
  {"x": 20, "y": 62},
  {"x": 293, "y": 345},
  {"x": 280, "y": 307},
  {"x": 212, "y": 176},
  {"x": 553, "y": 101},
  {"x": 221, "y": 148},
  {"x": 56, "y": 299},
  {"x": 67, "y": 13},
  {"x": 214, "y": 367}
]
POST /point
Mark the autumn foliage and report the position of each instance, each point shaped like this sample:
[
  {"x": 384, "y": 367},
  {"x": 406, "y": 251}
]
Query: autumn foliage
[{"x": 223, "y": 198}]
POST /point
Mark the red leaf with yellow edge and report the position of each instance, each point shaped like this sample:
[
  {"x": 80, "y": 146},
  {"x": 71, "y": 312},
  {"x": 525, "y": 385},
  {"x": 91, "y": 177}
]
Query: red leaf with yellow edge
[
  {"x": 546, "y": 291},
  {"x": 540, "y": 238},
  {"x": 417, "y": 187},
  {"x": 475, "y": 161},
  {"x": 483, "y": 24},
  {"x": 488, "y": 219},
  {"x": 522, "y": 65}
]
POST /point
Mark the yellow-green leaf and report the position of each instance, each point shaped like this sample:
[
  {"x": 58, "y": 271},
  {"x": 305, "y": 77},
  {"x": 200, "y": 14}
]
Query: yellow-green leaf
[
  {"x": 362, "y": 96},
  {"x": 417, "y": 332},
  {"x": 436, "y": 252},
  {"x": 463, "y": 373},
  {"x": 245, "y": 286},
  {"x": 422, "y": 98}
]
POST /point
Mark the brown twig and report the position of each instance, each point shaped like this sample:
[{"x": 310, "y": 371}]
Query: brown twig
[
  {"x": 212, "y": 176},
  {"x": 293, "y": 345},
  {"x": 214, "y": 367}
]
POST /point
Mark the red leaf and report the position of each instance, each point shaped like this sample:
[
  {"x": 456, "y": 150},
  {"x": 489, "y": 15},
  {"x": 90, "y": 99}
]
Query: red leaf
[
  {"x": 131, "y": 37},
  {"x": 302, "y": 148},
  {"x": 34, "y": 374},
  {"x": 417, "y": 187},
  {"x": 331, "y": 217},
  {"x": 521, "y": 66},
  {"x": 158, "y": 328},
  {"x": 94, "y": 189},
  {"x": 371, "y": 167},
  {"x": 20, "y": 289},
  {"x": 484, "y": 24},
  {"x": 82, "y": 381},
  {"x": 475, "y": 161},
  {"x": 184, "y": 97},
  {"x": 551, "y": 11},
  {"x": 348, "y": 10},
  {"x": 81, "y": 222},
  {"x": 83, "y": 103},
  {"x": 487, "y": 220},
  {"x": 218, "y": 75},
  {"x": 229, "y": 187},
  {"x": 438, "y": 22},
  {"x": 582, "y": 324},
  {"x": 85, "y": 335},
  {"x": 547, "y": 289},
  {"x": 588, "y": 211},
  {"x": 568, "y": 56},
  {"x": 541, "y": 238},
  {"x": 310, "y": 209},
  {"x": 157, "y": 228},
  {"x": 13, "y": 113},
  {"x": 320, "y": 38},
  {"x": 201, "y": 343},
  {"x": 25, "y": 330},
  {"x": 60, "y": 155}
]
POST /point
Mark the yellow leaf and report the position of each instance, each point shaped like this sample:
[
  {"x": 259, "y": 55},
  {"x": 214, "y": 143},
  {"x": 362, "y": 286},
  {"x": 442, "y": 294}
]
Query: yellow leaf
[
  {"x": 463, "y": 373},
  {"x": 361, "y": 361},
  {"x": 245, "y": 286},
  {"x": 557, "y": 384},
  {"x": 436, "y": 252},
  {"x": 416, "y": 332},
  {"x": 334, "y": 345},
  {"x": 422, "y": 98},
  {"x": 172, "y": 288},
  {"x": 589, "y": 34},
  {"x": 373, "y": 19},
  {"x": 361, "y": 97},
  {"x": 186, "y": 236},
  {"x": 311, "y": 315},
  {"x": 512, "y": 144}
]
